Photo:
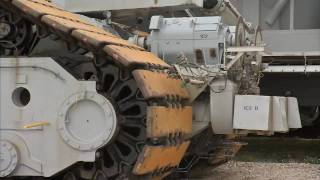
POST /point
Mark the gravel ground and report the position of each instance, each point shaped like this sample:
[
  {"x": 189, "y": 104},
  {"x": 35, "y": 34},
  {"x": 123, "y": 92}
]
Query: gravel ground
[{"x": 259, "y": 171}]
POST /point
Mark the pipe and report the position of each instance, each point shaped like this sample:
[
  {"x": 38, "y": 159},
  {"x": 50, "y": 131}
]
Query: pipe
[{"x": 275, "y": 12}]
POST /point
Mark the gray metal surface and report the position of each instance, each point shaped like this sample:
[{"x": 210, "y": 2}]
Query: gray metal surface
[
  {"x": 221, "y": 106},
  {"x": 103, "y": 5},
  {"x": 275, "y": 12},
  {"x": 289, "y": 25},
  {"x": 51, "y": 119},
  {"x": 201, "y": 115},
  {"x": 196, "y": 39},
  {"x": 292, "y": 40},
  {"x": 8, "y": 158}
]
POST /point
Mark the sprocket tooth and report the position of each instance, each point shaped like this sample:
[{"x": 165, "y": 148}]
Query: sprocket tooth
[
  {"x": 128, "y": 57},
  {"x": 162, "y": 121},
  {"x": 155, "y": 158},
  {"x": 157, "y": 85}
]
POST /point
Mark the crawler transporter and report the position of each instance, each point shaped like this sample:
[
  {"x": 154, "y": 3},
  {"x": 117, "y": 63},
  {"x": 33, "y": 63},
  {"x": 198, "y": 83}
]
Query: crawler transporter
[{"x": 129, "y": 89}]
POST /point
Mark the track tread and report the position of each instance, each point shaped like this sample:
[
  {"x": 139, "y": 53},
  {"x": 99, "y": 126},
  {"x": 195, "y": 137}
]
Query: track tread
[
  {"x": 39, "y": 8},
  {"x": 162, "y": 121},
  {"x": 170, "y": 88},
  {"x": 98, "y": 41},
  {"x": 128, "y": 56},
  {"x": 166, "y": 158},
  {"x": 67, "y": 25}
]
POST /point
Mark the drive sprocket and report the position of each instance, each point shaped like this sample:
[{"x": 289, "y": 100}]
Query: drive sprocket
[{"x": 16, "y": 34}]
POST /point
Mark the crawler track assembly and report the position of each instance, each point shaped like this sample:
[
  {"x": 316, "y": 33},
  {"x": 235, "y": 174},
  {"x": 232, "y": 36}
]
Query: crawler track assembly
[{"x": 154, "y": 118}]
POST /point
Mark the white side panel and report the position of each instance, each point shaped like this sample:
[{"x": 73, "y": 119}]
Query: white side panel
[
  {"x": 279, "y": 114},
  {"x": 266, "y": 113},
  {"x": 294, "y": 120},
  {"x": 252, "y": 113}
]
